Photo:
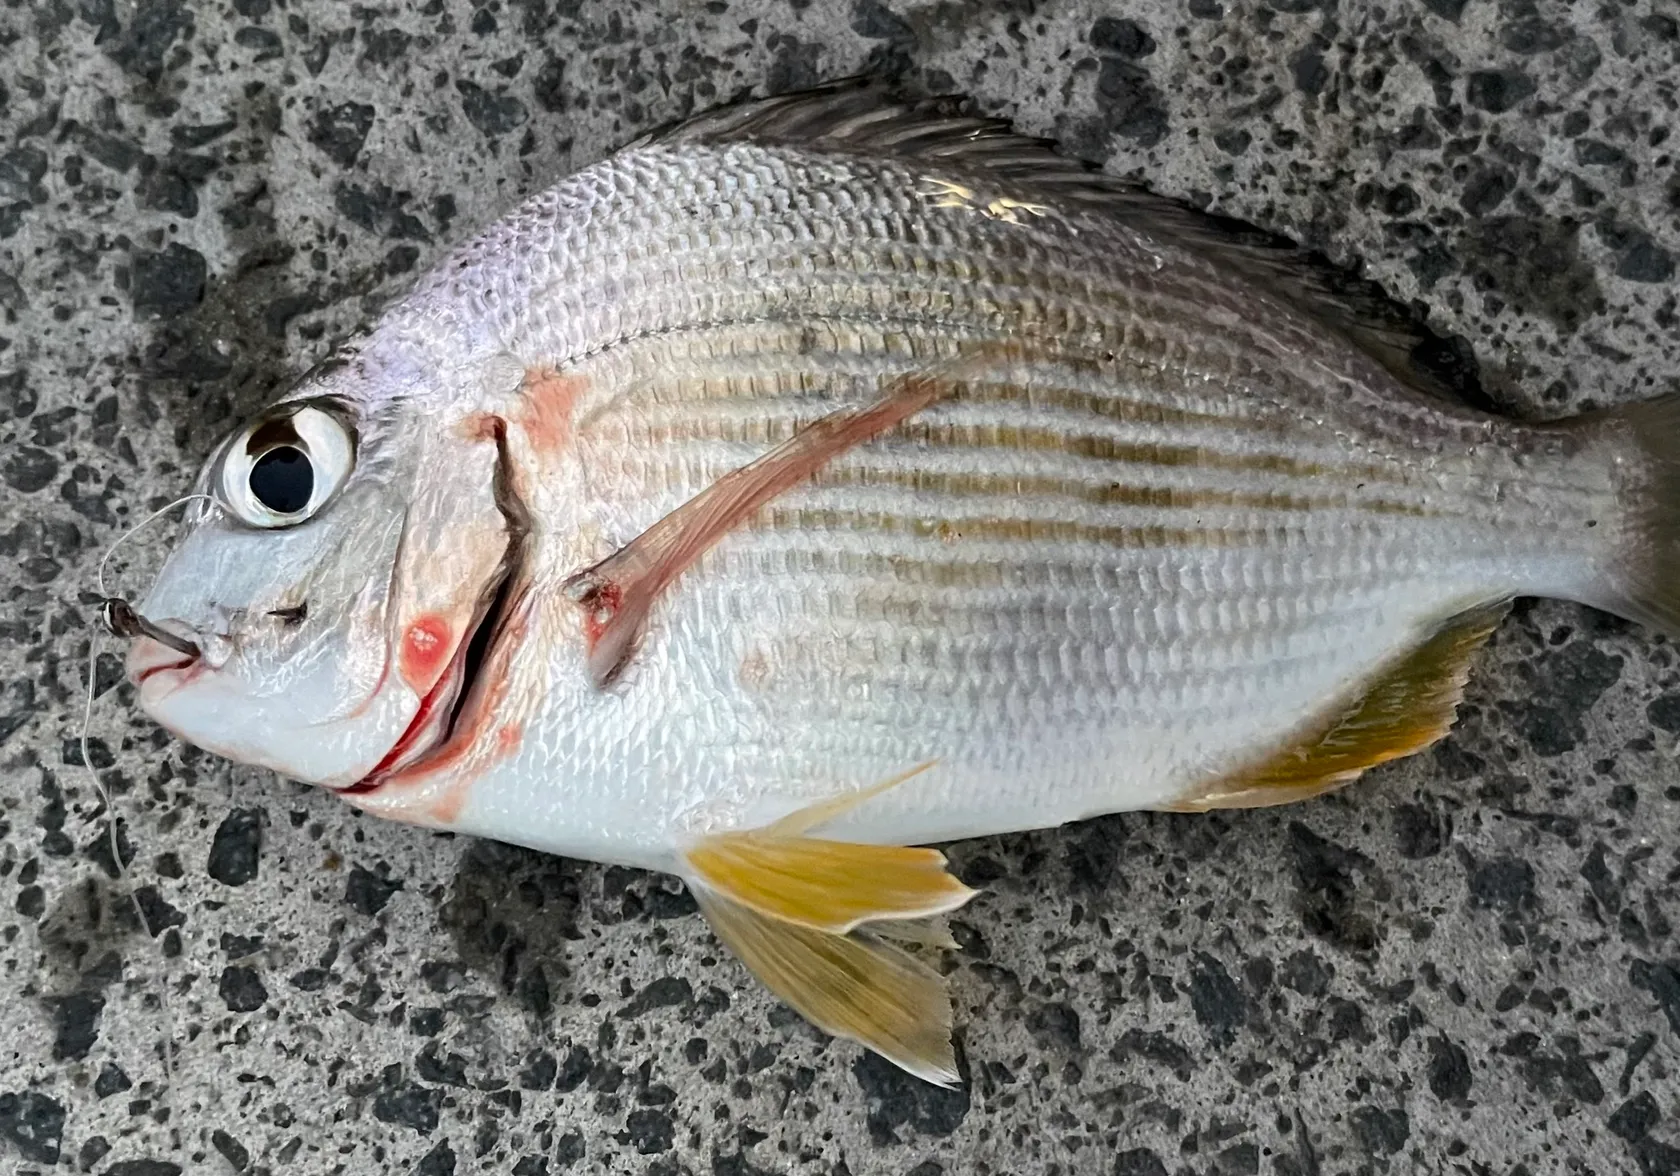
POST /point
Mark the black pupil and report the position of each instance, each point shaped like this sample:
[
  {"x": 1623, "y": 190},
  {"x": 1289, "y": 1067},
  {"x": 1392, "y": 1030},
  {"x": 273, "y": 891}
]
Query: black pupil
[{"x": 282, "y": 480}]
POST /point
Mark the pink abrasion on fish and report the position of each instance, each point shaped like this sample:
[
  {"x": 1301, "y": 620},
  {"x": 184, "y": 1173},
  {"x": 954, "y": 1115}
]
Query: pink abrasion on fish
[{"x": 829, "y": 476}]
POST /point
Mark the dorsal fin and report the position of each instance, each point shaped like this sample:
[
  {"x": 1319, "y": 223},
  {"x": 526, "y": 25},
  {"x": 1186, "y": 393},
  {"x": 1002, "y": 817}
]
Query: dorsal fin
[{"x": 861, "y": 117}]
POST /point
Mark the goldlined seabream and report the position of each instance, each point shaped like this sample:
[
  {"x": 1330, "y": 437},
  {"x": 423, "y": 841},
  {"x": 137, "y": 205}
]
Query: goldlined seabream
[{"x": 829, "y": 476}]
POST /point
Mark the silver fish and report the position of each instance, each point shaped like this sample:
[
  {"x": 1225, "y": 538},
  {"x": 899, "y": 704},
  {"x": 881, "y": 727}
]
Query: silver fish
[{"x": 829, "y": 476}]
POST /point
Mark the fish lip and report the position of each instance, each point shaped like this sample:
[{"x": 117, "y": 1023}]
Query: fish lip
[
  {"x": 462, "y": 681},
  {"x": 151, "y": 671},
  {"x": 147, "y": 658}
]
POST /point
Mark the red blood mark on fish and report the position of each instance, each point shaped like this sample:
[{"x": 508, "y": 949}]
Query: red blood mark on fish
[
  {"x": 479, "y": 426},
  {"x": 550, "y": 399},
  {"x": 603, "y": 606},
  {"x": 376, "y": 778},
  {"x": 479, "y": 738},
  {"x": 425, "y": 651},
  {"x": 455, "y": 756},
  {"x": 141, "y": 676}
]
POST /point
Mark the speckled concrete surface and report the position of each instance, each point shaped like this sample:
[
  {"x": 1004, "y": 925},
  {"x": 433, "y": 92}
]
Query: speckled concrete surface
[{"x": 1467, "y": 964}]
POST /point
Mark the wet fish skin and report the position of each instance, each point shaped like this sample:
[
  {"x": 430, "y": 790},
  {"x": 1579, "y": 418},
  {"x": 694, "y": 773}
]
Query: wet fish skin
[
  {"x": 685, "y": 371},
  {"x": 1197, "y": 524}
]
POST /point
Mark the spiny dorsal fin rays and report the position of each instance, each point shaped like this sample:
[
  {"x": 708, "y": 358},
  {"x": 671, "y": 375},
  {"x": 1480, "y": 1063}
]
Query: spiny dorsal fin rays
[
  {"x": 810, "y": 918},
  {"x": 620, "y": 591}
]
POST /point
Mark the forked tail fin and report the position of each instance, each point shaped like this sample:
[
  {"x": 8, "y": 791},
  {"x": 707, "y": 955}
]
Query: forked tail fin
[{"x": 1644, "y": 582}]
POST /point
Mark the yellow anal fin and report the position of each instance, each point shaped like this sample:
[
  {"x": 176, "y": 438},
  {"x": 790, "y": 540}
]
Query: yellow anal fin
[
  {"x": 1402, "y": 709},
  {"x": 852, "y": 986}
]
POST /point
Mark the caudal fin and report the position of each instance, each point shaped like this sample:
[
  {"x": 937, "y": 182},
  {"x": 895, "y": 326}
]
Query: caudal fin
[{"x": 1645, "y": 580}]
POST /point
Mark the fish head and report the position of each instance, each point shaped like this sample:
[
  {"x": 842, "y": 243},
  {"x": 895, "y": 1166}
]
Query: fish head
[{"x": 349, "y": 543}]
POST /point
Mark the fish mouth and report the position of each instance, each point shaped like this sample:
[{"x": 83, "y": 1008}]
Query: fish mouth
[
  {"x": 453, "y": 712},
  {"x": 148, "y": 658},
  {"x": 150, "y": 661}
]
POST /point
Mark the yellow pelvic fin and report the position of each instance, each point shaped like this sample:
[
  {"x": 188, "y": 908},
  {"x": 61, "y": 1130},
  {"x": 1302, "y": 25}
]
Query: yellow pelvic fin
[
  {"x": 852, "y": 986},
  {"x": 1405, "y": 707},
  {"x": 933, "y": 934},
  {"x": 802, "y": 821},
  {"x": 791, "y": 905},
  {"x": 832, "y": 886}
]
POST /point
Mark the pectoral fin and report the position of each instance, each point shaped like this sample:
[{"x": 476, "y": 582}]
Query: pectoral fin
[
  {"x": 852, "y": 986},
  {"x": 620, "y": 591}
]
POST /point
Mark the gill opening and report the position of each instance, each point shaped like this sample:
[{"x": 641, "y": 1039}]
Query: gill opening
[
  {"x": 490, "y": 614},
  {"x": 517, "y": 518}
]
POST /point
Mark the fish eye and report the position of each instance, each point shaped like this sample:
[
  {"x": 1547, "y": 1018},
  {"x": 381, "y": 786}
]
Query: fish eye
[
  {"x": 283, "y": 480},
  {"x": 282, "y": 469}
]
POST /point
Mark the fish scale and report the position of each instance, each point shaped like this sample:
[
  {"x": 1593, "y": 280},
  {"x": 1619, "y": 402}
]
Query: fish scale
[{"x": 825, "y": 477}]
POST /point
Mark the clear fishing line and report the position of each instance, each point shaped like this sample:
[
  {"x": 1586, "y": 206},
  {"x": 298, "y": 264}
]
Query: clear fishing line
[
  {"x": 142, "y": 525},
  {"x": 109, "y": 801}
]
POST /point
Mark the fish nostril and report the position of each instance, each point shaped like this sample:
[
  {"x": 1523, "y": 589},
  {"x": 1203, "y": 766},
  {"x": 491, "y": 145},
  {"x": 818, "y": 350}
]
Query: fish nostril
[{"x": 291, "y": 617}]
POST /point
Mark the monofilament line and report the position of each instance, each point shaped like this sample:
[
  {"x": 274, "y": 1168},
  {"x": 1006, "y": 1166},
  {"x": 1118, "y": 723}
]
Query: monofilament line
[
  {"x": 109, "y": 801},
  {"x": 140, "y": 526},
  {"x": 121, "y": 869}
]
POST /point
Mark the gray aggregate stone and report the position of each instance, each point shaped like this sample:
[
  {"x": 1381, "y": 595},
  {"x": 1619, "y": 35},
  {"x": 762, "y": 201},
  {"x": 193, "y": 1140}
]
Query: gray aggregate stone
[{"x": 1468, "y": 963}]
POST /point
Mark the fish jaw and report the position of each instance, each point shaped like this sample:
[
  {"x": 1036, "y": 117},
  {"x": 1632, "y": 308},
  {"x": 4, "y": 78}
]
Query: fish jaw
[
  {"x": 316, "y": 700},
  {"x": 209, "y": 707},
  {"x": 407, "y": 715}
]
